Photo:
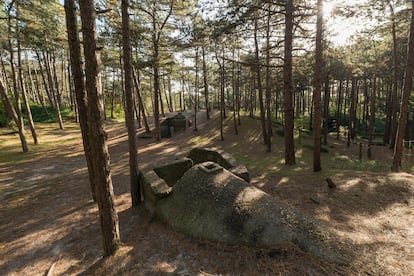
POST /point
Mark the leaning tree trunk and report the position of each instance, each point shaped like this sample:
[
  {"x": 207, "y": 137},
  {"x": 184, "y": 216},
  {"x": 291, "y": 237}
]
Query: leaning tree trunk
[
  {"x": 140, "y": 102},
  {"x": 6, "y": 102},
  {"x": 288, "y": 87},
  {"x": 399, "y": 142},
  {"x": 317, "y": 92},
  {"x": 22, "y": 87},
  {"x": 129, "y": 110},
  {"x": 18, "y": 108},
  {"x": 97, "y": 135},
  {"x": 52, "y": 88}
]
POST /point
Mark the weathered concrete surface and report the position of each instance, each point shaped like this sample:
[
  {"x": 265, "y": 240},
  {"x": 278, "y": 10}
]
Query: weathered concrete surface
[
  {"x": 168, "y": 126},
  {"x": 211, "y": 203},
  {"x": 157, "y": 183},
  {"x": 172, "y": 172},
  {"x": 224, "y": 159}
]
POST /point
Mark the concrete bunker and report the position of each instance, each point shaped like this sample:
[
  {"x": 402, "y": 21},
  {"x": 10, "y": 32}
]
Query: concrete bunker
[
  {"x": 169, "y": 126},
  {"x": 205, "y": 200}
]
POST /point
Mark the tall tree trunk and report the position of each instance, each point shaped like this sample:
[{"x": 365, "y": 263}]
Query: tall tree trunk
[
  {"x": 388, "y": 118},
  {"x": 259, "y": 82},
  {"x": 317, "y": 93},
  {"x": 234, "y": 88},
  {"x": 338, "y": 110},
  {"x": 52, "y": 88},
  {"x": 18, "y": 108},
  {"x": 22, "y": 87},
  {"x": 99, "y": 149},
  {"x": 196, "y": 89},
  {"x": 394, "y": 115},
  {"x": 372, "y": 117},
  {"x": 352, "y": 110},
  {"x": 238, "y": 93},
  {"x": 157, "y": 133},
  {"x": 55, "y": 80},
  {"x": 205, "y": 81},
  {"x": 407, "y": 86},
  {"x": 222, "y": 103},
  {"x": 129, "y": 110},
  {"x": 268, "y": 88},
  {"x": 45, "y": 83},
  {"x": 78, "y": 81},
  {"x": 288, "y": 87},
  {"x": 35, "y": 87},
  {"x": 327, "y": 98}
]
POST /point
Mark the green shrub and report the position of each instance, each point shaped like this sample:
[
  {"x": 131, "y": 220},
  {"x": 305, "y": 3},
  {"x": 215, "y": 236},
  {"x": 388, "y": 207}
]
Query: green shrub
[
  {"x": 280, "y": 132},
  {"x": 5, "y": 120}
]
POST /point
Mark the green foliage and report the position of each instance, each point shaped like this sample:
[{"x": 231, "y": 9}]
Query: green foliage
[
  {"x": 41, "y": 116},
  {"x": 5, "y": 120},
  {"x": 118, "y": 111},
  {"x": 302, "y": 122}
]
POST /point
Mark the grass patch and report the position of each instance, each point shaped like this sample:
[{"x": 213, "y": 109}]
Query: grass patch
[
  {"x": 346, "y": 163},
  {"x": 324, "y": 148},
  {"x": 50, "y": 138}
]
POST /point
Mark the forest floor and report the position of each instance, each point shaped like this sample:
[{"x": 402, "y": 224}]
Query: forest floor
[{"x": 48, "y": 221}]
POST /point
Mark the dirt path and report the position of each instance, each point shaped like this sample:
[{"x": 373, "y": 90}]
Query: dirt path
[{"x": 48, "y": 219}]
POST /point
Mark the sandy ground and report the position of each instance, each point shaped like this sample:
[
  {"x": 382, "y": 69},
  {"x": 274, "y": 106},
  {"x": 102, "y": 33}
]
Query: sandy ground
[{"x": 48, "y": 221}]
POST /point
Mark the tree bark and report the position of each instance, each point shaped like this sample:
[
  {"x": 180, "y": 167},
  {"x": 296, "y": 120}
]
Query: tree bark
[
  {"x": 97, "y": 135},
  {"x": 268, "y": 80},
  {"x": 140, "y": 102},
  {"x": 18, "y": 108},
  {"x": 205, "y": 81},
  {"x": 327, "y": 99},
  {"x": 288, "y": 86},
  {"x": 372, "y": 118},
  {"x": 317, "y": 93},
  {"x": 157, "y": 133},
  {"x": 259, "y": 83},
  {"x": 196, "y": 89},
  {"x": 407, "y": 86},
  {"x": 52, "y": 88},
  {"x": 352, "y": 110},
  {"x": 234, "y": 88},
  {"x": 22, "y": 87},
  {"x": 338, "y": 110},
  {"x": 129, "y": 110},
  {"x": 78, "y": 81},
  {"x": 394, "y": 115}
]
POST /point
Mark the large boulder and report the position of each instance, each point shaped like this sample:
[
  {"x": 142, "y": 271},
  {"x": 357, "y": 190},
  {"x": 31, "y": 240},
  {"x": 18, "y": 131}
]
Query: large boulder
[{"x": 209, "y": 202}]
